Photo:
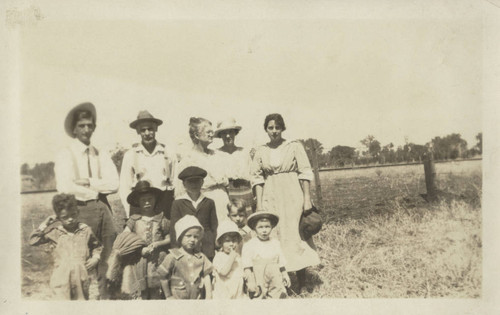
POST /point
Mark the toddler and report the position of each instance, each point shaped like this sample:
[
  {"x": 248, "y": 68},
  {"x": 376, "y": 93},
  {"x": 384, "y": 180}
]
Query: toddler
[
  {"x": 228, "y": 269},
  {"x": 263, "y": 259},
  {"x": 185, "y": 272}
]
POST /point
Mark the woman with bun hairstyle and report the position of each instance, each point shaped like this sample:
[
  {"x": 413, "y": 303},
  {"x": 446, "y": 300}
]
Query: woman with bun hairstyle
[{"x": 281, "y": 176}]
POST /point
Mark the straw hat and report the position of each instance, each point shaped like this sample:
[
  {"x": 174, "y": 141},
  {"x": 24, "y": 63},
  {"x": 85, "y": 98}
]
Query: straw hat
[
  {"x": 69, "y": 122},
  {"x": 184, "y": 224},
  {"x": 228, "y": 124},
  {"x": 143, "y": 116},
  {"x": 227, "y": 227},
  {"x": 254, "y": 217},
  {"x": 140, "y": 188}
]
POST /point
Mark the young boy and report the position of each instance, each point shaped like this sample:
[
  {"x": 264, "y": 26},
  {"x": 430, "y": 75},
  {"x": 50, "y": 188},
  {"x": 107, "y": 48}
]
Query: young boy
[
  {"x": 153, "y": 228},
  {"x": 76, "y": 252},
  {"x": 186, "y": 271},
  {"x": 263, "y": 259},
  {"x": 236, "y": 212},
  {"x": 193, "y": 202}
]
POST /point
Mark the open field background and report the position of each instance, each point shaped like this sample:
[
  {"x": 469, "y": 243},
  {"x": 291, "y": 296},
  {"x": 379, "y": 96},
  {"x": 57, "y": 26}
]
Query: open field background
[{"x": 381, "y": 239}]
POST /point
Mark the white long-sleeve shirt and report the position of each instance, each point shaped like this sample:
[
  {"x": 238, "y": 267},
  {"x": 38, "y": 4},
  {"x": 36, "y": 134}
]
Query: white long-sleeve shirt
[
  {"x": 104, "y": 177},
  {"x": 157, "y": 167}
]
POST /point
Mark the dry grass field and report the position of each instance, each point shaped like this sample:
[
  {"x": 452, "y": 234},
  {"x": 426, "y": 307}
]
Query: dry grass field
[{"x": 380, "y": 239}]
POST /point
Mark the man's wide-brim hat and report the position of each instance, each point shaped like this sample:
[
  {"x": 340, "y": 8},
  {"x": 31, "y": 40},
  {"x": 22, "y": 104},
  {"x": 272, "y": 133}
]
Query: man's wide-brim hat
[
  {"x": 69, "y": 122},
  {"x": 228, "y": 124},
  {"x": 255, "y": 217},
  {"x": 145, "y": 116},
  {"x": 140, "y": 188}
]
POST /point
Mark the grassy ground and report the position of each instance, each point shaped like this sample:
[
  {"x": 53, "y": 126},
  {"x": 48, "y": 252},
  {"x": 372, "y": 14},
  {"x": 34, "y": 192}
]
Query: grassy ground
[{"x": 381, "y": 239}]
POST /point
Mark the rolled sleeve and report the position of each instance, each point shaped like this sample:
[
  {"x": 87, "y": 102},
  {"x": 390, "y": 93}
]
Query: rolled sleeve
[
  {"x": 256, "y": 171},
  {"x": 303, "y": 165}
]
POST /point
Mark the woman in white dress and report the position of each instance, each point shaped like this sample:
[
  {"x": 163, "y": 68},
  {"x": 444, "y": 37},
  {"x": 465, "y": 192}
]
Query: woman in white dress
[{"x": 281, "y": 176}]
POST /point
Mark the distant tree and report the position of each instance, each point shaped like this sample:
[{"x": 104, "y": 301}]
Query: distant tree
[
  {"x": 479, "y": 144},
  {"x": 449, "y": 147},
  {"x": 25, "y": 169},
  {"x": 342, "y": 155},
  {"x": 117, "y": 156},
  {"x": 373, "y": 147},
  {"x": 313, "y": 146}
]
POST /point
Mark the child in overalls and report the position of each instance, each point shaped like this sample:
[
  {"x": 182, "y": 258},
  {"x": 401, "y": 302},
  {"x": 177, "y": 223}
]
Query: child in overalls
[
  {"x": 263, "y": 259},
  {"x": 185, "y": 272},
  {"x": 228, "y": 270},
  {"x": 153, "y": 228},
  {"x": 77, "y": 249}
]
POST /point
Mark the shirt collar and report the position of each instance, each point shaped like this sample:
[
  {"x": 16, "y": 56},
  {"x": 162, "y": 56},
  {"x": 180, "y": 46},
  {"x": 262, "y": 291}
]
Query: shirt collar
[
  {"x": 186, "y": 196},
  {"x": 79, "y": 147},
  {"x": 183, "y": 252},
  {"x": 159, "y": 148},
  {"x": 78, "y": 228}
]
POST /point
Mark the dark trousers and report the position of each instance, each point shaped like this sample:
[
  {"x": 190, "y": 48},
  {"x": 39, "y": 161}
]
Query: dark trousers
[{"x": 97, "y": 215}]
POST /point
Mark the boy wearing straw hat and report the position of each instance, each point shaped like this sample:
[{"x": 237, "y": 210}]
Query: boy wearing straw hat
[
  {"x": 263, "y": 259},
  {"x": 89, "y": 174},
  {"x": 148, "y": 160}
]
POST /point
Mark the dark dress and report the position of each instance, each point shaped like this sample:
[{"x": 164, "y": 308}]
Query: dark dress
[{"x": 205, "y": 213}]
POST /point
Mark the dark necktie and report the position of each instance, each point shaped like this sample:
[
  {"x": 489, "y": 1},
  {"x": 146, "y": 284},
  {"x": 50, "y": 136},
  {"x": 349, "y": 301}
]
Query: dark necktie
[{"x": 88, "y": 162}]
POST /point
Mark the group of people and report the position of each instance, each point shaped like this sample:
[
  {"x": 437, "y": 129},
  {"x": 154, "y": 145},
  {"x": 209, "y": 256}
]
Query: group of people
[{"x": 201, "y": 223}]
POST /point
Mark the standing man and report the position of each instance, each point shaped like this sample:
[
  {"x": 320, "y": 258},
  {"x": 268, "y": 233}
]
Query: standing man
[
  {"x": 150, "y": 161},
  {"x": 90, "y": 175}
]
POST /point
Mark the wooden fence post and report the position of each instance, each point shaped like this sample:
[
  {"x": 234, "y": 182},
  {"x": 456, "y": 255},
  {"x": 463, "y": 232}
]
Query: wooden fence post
[
  {"x": 430, "y": 176},
  {"x": 316, "y": 175}
]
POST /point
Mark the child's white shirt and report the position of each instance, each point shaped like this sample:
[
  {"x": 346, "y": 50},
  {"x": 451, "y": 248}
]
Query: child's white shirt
[{"x": 264, "y": 249}]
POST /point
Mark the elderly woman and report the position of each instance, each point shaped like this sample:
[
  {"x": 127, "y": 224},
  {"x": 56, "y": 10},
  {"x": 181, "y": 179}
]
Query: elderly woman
[
  {"x": 281, "y": 175},
  {"x": 237, "y": 163},
  {"x": 198, "y": 154}
]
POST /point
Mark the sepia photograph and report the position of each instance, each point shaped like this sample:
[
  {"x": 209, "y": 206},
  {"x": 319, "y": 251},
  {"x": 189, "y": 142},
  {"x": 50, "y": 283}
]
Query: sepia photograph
[{"x": 321, "y": 151}]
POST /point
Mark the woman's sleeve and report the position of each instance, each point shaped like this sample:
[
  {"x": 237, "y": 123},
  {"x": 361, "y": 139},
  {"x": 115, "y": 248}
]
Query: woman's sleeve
[
  {"x": 256, "y": 172},
  {"x": 303, "y": 165}
]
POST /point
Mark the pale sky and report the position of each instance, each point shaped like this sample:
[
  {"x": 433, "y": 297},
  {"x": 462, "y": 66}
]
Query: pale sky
[{"x": 335, "y": 79}]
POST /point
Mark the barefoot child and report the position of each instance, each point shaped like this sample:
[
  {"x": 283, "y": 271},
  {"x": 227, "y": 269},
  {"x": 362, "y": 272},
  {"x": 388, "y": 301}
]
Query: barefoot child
[
  {"x": 76, "y": 252},
  {"x": 194, "y": 203},
  {"x": 153, "y": 228},
  {"x": 228, "y": 269},
  {"x": 263, "y": 259},
  {"x": 186, "y": 271}
]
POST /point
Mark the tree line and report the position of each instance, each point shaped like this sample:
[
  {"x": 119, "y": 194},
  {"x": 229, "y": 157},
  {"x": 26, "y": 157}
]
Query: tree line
[{"x": 449, "y": 147}]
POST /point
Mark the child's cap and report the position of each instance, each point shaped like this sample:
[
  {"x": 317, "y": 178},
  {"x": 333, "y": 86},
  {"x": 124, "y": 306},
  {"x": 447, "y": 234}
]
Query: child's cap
[
  {"x": 227, "y": 227},
  {"x": 184, "y": 224},
  {"x": 255, "y": 217},
  {"x": 192, "y": 171}
]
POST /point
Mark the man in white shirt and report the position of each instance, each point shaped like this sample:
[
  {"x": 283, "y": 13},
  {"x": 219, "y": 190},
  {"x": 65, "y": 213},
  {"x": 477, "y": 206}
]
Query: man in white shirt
[
  {"x": 90, "y": 175},
  {"x": 149, "y": 161}
]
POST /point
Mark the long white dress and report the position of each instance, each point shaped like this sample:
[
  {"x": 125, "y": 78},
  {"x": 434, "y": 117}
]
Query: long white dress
[{"x": 280, "y": 170}]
